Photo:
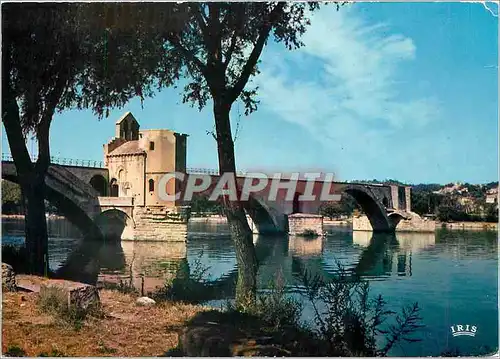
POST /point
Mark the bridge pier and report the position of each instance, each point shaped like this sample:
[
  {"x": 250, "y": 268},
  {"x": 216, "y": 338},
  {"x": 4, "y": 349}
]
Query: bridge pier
[
  {"x": 412, "y": 223},
  {"x": 142, "y": 223},
  {"x": 161, "y": 223},
  {"x": 300, "y": 224}
]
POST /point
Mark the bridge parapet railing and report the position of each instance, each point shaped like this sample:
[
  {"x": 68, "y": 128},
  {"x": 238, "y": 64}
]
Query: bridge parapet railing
[
  {"x": 63, "y": 161},
  {"x": 208, "y": 171}
]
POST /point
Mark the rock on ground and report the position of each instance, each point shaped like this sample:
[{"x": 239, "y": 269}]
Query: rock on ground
[
  {"x": 77, "y": 294},
  {"x": 8, "y": 278},
  {"x": 145, "y": 301}
]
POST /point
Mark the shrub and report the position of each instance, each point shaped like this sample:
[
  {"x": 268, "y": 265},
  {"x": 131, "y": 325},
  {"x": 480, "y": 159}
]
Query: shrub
[
  {"x": 309, "y": 233},
  {"x": 15, "y": 351},
  {"x": 52, "y": 354},
  {"x": 54, "y": 301},
  {"x": 275, "y": 308},
  {"x": 350, "y": 322}
]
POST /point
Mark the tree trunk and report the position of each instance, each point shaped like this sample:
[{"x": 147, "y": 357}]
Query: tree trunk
[
  {"x": 36, "y": 226},
  {"x": 240, "y": 231},
  {"x": 32, "y": 187}
]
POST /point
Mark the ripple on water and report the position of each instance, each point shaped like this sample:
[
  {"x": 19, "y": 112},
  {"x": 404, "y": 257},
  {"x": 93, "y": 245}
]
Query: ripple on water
[{"x": 452, "y": 275}]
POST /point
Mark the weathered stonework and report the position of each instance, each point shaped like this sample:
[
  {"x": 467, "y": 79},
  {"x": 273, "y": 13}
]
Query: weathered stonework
[
  {"x": 77, "y": 294},
  {"x": 8, "y": 278},
  {"x": 302, "y": 223},
  {"x": 469, "y": 226},
  {"x": 414, "y": 223},
  {"x": 161, "y": 223},
  {"x": 361, "y": 223}
]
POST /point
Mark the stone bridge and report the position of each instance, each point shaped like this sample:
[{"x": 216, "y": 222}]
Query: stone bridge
[
  {"x": 80, "y": 193},
  {"x": 384, "y": 205},
  {"x": 77, "y": 193}
]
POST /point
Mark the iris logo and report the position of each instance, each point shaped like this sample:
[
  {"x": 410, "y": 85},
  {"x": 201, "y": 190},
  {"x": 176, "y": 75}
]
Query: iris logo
[{"x": 460, "y": 329}]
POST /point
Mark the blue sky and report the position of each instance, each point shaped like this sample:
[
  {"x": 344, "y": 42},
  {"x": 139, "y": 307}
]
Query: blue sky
[{"x": 381, "y": 90}]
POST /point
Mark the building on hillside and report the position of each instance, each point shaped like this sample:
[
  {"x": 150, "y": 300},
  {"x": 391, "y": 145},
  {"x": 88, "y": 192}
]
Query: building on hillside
[
  {"x": 492, "y": 195},
  {"x": 137, "y": 160}
]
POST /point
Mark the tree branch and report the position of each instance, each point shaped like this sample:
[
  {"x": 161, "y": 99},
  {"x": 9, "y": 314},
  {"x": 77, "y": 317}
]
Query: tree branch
[
  {"x": 215, "y": 45},
  {"x": 249, "y": 66},
  {"x": 234, "y": 38},
  {"x": 188, "y": 54},
  {"x": 11, "y": 120},
  {"x": 43, "y": 128},
  {"x": 201, "y": 23}
]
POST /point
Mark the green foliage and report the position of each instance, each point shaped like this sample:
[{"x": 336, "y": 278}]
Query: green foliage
[
  {"x": 344, "y": 207},
  {"x": 55, "y": 302},
  {"x": 491, "y": 212},
  {"x": 424, "y": 202},
  {"x": 476, "y": 191},
  {"x": 12, "y": 202},
  {"x": 350, "y": 321},
  {"x": 52, "y": 354},
  {"x": 309, "y": 233},
  {"x": 104, "y": 349},
  {"x": 15, "y": 351},
  {"x": 331, "y": 210},
  {"x": 11, "y": 192},
  {"x": 275, "y": 308},
  {"x": 219, "y": 46},
  {"x": 89, "y": 55},
  {"x": 200, "y": 204},
  {"x": 451, "y": 210}
]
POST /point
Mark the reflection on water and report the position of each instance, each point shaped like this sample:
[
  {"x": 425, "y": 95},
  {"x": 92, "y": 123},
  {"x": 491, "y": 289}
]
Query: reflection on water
[
  {"x": 452, "y": 275},
  {"x": 298, "y": 246}
]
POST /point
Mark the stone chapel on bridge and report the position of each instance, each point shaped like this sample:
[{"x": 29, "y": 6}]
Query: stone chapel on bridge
[{"x": 136, "y": 160}]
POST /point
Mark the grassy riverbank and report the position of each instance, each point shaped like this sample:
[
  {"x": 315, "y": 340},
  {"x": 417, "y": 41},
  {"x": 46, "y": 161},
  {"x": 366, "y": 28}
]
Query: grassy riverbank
[{"x": 126, "y": 329}]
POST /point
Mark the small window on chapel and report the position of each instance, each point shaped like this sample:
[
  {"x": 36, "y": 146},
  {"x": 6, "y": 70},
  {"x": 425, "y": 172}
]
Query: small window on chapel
[
  {"x": 151, "y": 185},
  {"x": 151, "y": 146}
]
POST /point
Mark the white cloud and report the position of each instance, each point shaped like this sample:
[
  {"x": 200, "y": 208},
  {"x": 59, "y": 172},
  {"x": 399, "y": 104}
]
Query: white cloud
[{"x": 353, "y": 99}]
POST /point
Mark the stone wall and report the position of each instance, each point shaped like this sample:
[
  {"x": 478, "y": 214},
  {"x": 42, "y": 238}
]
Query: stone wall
[
  {"x": 414, "y": 224},
  {"x": 128, "y": 170},
  {"x": 473, "y": 226},
  {"x": 395, "y": 197},
  {"x": 299, "y": 223},
  {"x": 408, "y": 198},
  {"x": 361, "y": 223},
  {"x": 161, "y": 224}
]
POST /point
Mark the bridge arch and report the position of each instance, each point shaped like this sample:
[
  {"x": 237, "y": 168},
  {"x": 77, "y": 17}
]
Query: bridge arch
[
  {"x": 115, "y": 224},
  {"x": 263, "y": 217},
  {"x": 99, "y": 183},
  {"x": 374, "y": 209},
  {"x": 75, "y": 199},
  {"x": 395, "y": 217}
]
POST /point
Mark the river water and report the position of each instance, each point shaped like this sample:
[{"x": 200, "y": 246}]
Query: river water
[{"x": 452, "y": 275}]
